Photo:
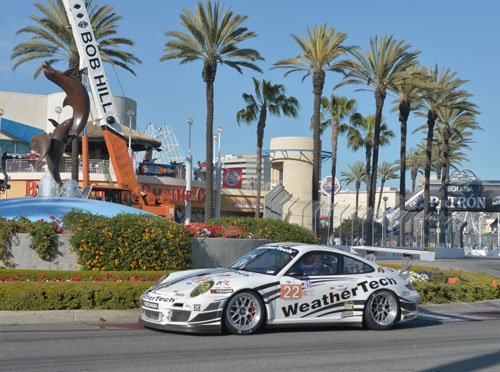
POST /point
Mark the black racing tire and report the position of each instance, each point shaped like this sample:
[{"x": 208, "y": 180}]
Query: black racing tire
[
  {"x": 382, "y": 310},
  {"x": 244, "y": 313}
]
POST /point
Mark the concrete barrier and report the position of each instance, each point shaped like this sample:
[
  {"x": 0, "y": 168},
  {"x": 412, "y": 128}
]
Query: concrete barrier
[
  {"x": 207, "y": 252},
  {"x": 23, "y": 257},
  {"x": 215, "y": 252}
]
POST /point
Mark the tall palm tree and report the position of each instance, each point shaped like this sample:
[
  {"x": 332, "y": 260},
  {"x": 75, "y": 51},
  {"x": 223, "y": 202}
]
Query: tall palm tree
[
  {"x": 52, "y": 41},
  {"x": 415, "y": 163},
  {"x": 360, "y": 134},
  {"x": 387, "y": 171},
  {"x": 334, "y": 112},
  {"x": 319, "y": 52},
  {"x": 379, "y": 68},
  {"x": 268, "y": 98},
  {"x": 213, "y": 36},
  {"x": 356, "y": 176},
  {"x": 440, "y": 90},
  {"x": 407, "y": 88}
]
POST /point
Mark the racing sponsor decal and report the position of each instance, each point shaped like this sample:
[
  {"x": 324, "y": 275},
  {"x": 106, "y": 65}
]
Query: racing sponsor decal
[
  {"x": 196, "y": 307},
  {"x": 306, "y": 284},
  {"x": 291, "y": 291},
  {"x": 328, "y": 300},
  {"x": 308, "y": 292},
  {"x": 201, "y": 279},
  {"x": 149, "y": 297},
  {"x": 221, "y": 290},
  {"x": 349, "y": 305},
  {"x": 347, "y": 314},
  {"x": 222, "y": 283},
  {"x": 150, "y": 305}
]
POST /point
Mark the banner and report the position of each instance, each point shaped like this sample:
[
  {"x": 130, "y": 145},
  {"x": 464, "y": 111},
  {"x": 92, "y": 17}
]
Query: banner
[
  {"x": 159, "y": 170},
  {"x": 461, "y": 196},
  {"x": 326, "y": 186},
  {"x": 232, "y": 178}
]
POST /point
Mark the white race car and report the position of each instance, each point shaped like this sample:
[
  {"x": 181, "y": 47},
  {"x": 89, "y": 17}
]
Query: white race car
[{"x": 282, "y": 284}]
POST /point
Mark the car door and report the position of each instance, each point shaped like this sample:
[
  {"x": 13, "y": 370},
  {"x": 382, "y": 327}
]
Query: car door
[{"x": 312, "y": 291}]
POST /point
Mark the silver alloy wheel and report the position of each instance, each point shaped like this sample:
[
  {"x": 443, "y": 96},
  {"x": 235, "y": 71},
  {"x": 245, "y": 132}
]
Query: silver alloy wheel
[
  {"x": 244, "y": 312},
  {"x": 383, "y": 308}
]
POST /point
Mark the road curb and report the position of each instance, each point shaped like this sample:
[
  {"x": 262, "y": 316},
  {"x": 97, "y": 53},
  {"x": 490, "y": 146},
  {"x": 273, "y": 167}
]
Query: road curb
[{"x": 69, "y": 316}]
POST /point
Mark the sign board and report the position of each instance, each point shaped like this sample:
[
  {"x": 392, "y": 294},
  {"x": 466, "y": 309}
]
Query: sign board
[{"x": 326, "y": 186}]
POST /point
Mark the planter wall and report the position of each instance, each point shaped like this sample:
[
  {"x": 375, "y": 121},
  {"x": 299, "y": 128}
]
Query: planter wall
[
  {"x": 207, "y": 252},
  {"x": 215, "y": 252},
  {"x": 23, "y": 257}
]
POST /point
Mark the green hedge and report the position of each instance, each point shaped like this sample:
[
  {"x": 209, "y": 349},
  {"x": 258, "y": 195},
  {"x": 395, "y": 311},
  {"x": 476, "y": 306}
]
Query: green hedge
[
  {"x": 71, "y": 295},
  {"x": 265, "y": 228},
  {"x": 128, "y": 242}
]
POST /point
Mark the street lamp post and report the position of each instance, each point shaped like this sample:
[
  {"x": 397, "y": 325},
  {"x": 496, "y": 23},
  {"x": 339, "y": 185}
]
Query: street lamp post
[
  {"x": 383, "y": 221},
  {"x": 1, "y": 114},
  {"x": 130, "y": 114},
  {"x": 58, "y": 111},
  {"x": 218, "y": 177},
  {"x": 189, "y": 166},
  {"x": 438, "y": 230}
]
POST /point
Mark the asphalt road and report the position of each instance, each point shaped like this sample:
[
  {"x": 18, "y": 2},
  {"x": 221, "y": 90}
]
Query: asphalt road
[{"x": 438, "y": 341}]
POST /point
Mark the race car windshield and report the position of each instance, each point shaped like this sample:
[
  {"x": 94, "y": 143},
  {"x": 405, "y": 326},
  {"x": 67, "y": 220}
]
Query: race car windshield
[{"x": 265, "y": 260}]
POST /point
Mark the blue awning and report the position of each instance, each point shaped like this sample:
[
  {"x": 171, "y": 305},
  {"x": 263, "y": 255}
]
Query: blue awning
[{"x": 22, "y": 131}]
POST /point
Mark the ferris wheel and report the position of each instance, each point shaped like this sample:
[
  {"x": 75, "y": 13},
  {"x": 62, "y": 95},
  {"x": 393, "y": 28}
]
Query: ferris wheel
[{"x": 170, "y": 148}]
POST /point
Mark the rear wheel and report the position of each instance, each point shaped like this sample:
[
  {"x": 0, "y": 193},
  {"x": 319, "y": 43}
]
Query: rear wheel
[
  {"x": 381, "y": 310},
  {"x": 244, "y": 313}
]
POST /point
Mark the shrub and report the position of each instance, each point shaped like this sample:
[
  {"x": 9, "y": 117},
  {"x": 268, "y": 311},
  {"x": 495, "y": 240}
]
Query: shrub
[
  {"x": 265, "y": 228},
  {"x": 128, "y": 242}
]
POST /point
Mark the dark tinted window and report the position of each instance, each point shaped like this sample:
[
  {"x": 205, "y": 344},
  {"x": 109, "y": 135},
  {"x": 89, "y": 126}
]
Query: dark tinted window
[
  {"x": 353, "y": 266},
  {"x": 316, "y": 264}
]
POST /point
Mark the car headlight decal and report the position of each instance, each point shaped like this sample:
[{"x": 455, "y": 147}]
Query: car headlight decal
[{"x": 202, "y": 288}]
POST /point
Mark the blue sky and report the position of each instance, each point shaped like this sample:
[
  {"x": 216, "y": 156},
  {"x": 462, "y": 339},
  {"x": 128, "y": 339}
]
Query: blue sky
[{"x": 458, "y": 34}]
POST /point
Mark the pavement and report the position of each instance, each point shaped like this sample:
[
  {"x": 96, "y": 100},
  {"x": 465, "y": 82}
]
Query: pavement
[{"x": 440, "y": 312}]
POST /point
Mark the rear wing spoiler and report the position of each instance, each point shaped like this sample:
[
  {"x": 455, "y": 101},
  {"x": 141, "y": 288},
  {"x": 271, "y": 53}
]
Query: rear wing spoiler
[{"x": 408, "y": 256}]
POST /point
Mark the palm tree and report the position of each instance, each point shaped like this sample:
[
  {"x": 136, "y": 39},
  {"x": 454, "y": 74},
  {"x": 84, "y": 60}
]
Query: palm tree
[
  {"x": 440, "y": 90},
  {"x": 320, "y": 51},
  {"x": 415, "y": 162},
  {"x": 360, "y": 134},
  {"x": 387, "y": 171},
  {"x": 334, "y": 112},
  {"x": 380, "y": 67},
  {"x": 268, "y": 98},
  {"x": 356, "y": 176},
  {"x": 52, "y": 41},
  {"x": 213, "y": 36},
  {"x": 407, "y": 88}
]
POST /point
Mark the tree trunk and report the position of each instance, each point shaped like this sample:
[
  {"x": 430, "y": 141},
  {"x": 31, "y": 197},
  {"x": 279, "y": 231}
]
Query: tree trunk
[
  {"x": 404, "y": 113},
  {"x": 358, "y": 186},
  {"x": 318, "y": 82},
  {"x": 209, "y": 70},
  {"x": 382, "y": 181},
  {"x": 335, "y": 136},
  {"x": 379, "y": 102},
  {"x": 74, "y": 158},
  {"x": 431, "y": 117},
  {"x": 368, "y": 156},
  {"x": 261, "y": 125},
  {"x": 414, "y": 174},
  {"x": 444, "y": 172}
]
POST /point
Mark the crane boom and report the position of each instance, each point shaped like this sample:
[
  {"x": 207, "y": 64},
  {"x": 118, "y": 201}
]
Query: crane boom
[{"x": 107, "y": 115}]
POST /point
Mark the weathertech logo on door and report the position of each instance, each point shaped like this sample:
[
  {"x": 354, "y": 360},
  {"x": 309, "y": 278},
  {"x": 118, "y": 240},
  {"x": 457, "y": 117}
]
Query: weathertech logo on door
[{"x": 333, "y": 298}]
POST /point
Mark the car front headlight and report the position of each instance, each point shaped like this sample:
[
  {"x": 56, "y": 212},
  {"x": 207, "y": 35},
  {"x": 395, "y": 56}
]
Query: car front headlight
[{"x": 202, "y": 288}]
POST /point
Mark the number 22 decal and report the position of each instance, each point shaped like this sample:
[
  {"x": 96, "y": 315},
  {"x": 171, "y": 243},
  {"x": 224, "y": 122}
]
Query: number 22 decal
[{"x": 291, "y": 292}]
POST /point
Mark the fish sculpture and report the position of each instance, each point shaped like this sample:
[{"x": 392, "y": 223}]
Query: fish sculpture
[
  {"x": 51, "y": 145},
  {"x": 76, "y": 96}
]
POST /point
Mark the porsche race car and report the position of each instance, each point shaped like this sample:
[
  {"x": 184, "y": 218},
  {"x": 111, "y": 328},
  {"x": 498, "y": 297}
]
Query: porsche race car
[{"x": 282, "y": 284}]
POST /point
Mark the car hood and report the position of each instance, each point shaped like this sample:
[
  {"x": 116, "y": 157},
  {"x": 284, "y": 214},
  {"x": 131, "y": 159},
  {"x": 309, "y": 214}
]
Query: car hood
[{"x": 219, "y": 281}]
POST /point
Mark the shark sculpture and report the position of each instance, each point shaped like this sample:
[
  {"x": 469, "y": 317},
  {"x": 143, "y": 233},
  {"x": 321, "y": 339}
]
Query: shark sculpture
[{"x": 50, "y": 146}]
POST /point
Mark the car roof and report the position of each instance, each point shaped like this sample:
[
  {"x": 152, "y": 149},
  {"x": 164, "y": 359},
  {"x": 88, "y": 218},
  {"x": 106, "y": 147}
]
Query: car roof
[{"x": 304, "y": 247}]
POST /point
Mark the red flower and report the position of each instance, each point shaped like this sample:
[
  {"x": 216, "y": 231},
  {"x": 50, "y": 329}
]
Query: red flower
[{"x": 52, "y": 217}]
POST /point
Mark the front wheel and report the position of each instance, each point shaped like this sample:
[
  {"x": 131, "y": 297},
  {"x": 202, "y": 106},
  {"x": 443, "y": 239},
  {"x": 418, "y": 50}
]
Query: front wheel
[
  {"x": 381, "y": 310},
  {"x": 244, "y": 313}
]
